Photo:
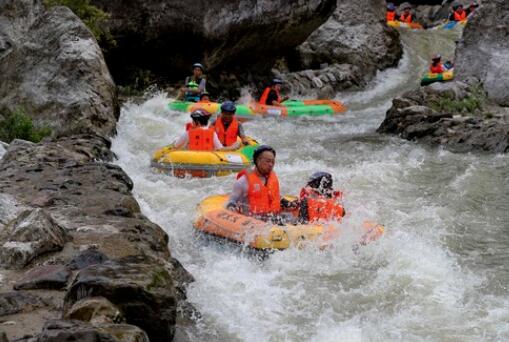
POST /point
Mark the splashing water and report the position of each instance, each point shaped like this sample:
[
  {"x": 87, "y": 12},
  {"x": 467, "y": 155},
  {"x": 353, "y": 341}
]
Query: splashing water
[{"x": 438, "y": 274}]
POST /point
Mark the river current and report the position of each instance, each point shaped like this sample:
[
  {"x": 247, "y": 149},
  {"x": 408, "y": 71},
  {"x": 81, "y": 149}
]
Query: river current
[{"x": 440, "y": 272}]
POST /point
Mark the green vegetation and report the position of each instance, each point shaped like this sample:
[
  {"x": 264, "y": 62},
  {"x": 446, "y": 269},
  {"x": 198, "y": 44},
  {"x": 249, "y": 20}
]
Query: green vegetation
[
  {"x": 92, "y": 16},
  {"x": 469, "y": 105},
  {"x": 466, "y": 105},
  {"x": 17, "y": 125}
]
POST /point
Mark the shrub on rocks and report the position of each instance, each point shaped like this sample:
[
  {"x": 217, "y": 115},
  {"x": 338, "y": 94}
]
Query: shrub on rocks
[{"x": 17, "y": 125}]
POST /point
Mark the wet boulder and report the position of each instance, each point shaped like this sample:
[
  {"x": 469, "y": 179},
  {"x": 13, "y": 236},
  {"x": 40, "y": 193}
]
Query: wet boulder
[
  {"x": 134, "y": 288},
  {"x": 483, "y": 52},
  {"x": 53, "y": 70},
  {"x": 31, "y": 234},
  {"x": 453, "y": 114}
]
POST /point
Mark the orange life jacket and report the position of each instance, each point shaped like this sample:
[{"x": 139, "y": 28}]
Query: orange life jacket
[
  {"x": 201, "y": 139},
  {"x": 227, "y": 137},
  {"x": 459, "y": 16},
  {"x": 265, "y": 95},
  {"x": 263, "y": 199},
  {"x": 436, "y": 68},
  {"x": 391, "y": 15},
  {"x": 320, "y": 207},
  {"x": 406, "y": 18}
]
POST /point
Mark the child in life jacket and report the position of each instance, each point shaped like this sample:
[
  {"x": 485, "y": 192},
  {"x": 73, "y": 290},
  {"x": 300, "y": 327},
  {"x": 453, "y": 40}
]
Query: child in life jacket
[{"x": 319, "y": 201}]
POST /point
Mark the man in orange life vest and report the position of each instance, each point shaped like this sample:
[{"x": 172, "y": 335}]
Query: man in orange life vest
[
  {"x": 319, "y": 201},
  {"x": 271, "y": 95},
  {"x": 406, "y": 16},
  {"x": 256, "y": 191},
  {"x": 199, "y": 137},
  {"x": 436, "y": 65},
  {"x": 228, "y": 128},
  {"x": 458, "y": 13},
  {"x": 391, "y": 12}
]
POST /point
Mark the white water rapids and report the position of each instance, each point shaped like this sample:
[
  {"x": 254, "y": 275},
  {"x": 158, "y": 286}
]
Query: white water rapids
[{"x": 440, "y": 272}]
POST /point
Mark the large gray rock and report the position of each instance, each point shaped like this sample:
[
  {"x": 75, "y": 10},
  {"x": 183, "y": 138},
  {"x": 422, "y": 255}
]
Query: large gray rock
[
  {"x": 483, "y": 52},
  {"x": 144, "y": 292},
  {"x": 31, "y": 234},
  {"x": 356, "y": 35},
  {"x": 412, "y": 117},
  {"x": 52, "y": 68},
  {"x": 92, "y": 199},
  {"x": 166, "y": 37},
  {"x": 67, "y": 331}
]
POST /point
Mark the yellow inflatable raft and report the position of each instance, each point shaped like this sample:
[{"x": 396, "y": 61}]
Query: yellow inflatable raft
[
  {"x": 399, "y": 24},
  {"x": 203, "y": 163},
  {"x": 214, "y": 219}
]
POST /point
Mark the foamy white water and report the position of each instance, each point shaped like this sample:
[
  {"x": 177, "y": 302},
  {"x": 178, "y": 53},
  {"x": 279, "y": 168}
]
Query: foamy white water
[{"x": 438, "y": 274}]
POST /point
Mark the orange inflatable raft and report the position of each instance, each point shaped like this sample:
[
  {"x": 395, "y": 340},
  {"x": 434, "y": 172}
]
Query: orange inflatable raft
[{"x": 215, "y": 219}]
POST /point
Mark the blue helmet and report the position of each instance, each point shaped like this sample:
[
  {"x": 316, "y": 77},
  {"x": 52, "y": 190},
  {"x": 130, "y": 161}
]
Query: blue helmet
[
  {"x": 228, "y": 106},
  {"x": 391, "y": 7},
  {"x": 277, "y": 81}
]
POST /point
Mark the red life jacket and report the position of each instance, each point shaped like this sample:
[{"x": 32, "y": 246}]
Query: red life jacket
[
  {"x": 436, "y": 68},
  {"x": 201, "y": 139},
  {"x": 189, "y": 125},
  {"x": 406, "y": 18},
  {"x": 459, "y": 16},
  {"x": 263, "y": 199},
  {"x": 227, "y": 137},
  {"x": 323, "y": 208},
  {"x": 391, "y": 15},
  {"x": 265, "y": 95}
]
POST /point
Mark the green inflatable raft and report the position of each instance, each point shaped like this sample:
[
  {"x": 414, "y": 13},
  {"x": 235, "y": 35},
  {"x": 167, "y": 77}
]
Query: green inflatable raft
[{"x": 253, "y": 110}]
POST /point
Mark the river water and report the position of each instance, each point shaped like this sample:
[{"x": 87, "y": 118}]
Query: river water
[{"x": 440, "y": 272}]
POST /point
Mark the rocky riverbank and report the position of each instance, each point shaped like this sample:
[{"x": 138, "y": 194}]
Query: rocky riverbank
[
  {"x": 470, "y": 114},
  {"x": 78, "y": 260}
]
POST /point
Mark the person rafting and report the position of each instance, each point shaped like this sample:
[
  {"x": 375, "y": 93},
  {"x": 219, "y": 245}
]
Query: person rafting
[
  {"x": 271, "y": 95},
  {"x": 391, "y": 12},
  {"x": 319, "y": 201},
  {"x": 199, "y": 137},
  {"x": 458, "y": 13},
  {"x": 472, "y": 8},
  {"x": 194, "y": 85},
  {"x": 436, "y": 66},
  {"x": 256, "y": 191},
  {"x": 406, "y": 16},
  {"x": 204, "y": 97},
  {"x": 228, "y": 128}
]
